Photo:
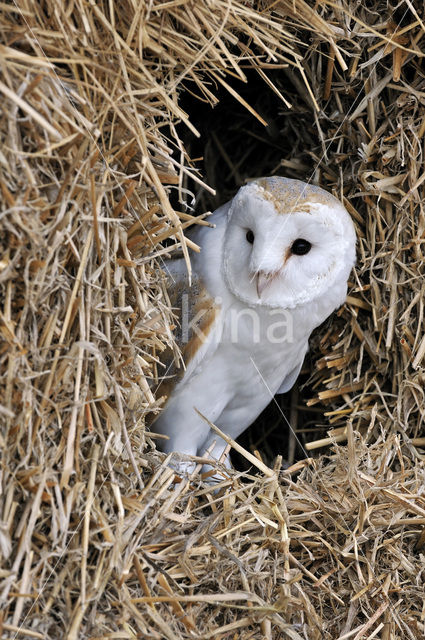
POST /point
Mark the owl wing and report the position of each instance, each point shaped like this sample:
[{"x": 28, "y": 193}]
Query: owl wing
[
  {"x": 199, "y": 321},
  {"x": 197, "y": 331},
  {"x": 290, "y": 379}
]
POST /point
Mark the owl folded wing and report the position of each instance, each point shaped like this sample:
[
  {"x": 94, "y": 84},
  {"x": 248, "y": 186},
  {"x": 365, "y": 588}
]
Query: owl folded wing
[
  {"x": 289, "y": 380},
  {"x": 198, "y": 328}
]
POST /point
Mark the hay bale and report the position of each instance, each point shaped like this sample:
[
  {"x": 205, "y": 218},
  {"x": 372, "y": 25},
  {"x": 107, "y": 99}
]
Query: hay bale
[{"x": 97, "y": 540}]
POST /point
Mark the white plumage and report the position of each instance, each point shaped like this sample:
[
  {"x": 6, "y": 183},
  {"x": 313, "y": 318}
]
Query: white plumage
[{"x": 273, "y": 268}]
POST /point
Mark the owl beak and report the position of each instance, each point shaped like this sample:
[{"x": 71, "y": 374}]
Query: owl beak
[{"x": 263, "y": 281}]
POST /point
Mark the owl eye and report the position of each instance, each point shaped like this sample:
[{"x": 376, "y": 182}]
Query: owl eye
[
  {"x": 250, "y": 236},
  {"x": 300, "y": 247}
]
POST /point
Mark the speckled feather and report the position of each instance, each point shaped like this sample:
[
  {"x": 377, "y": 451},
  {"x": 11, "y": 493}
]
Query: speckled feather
[
  {"x": 289, "y": 195},
  {"x": 202, "y": 311}
]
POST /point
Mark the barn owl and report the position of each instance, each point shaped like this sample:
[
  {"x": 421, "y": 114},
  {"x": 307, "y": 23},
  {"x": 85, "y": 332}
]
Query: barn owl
[{"x": 273, "y": 268}]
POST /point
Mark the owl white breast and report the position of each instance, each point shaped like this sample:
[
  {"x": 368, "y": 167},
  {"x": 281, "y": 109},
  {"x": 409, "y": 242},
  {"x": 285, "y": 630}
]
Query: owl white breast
[{"x": 274, "y": 267}]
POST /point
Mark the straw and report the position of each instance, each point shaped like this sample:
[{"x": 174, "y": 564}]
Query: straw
[{"x": 105, "y": 114}]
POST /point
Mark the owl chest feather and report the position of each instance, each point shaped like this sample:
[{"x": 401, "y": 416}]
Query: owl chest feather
[{"x": 259, "y": 347}]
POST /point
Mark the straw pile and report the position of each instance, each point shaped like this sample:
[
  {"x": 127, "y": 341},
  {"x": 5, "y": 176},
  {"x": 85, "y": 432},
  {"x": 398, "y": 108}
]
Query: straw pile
[{"x": 96, "y": 538}]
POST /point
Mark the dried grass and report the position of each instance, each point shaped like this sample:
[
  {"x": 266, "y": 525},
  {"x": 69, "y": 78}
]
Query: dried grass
[{"x": 97, "y": 540}]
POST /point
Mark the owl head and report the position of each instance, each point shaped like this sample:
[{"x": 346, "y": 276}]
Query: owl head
[{"x": 287, "y": 243}]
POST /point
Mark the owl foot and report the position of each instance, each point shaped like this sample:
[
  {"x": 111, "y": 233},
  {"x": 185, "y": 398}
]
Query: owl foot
[{"x": 181, "y": 465}]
